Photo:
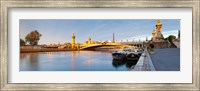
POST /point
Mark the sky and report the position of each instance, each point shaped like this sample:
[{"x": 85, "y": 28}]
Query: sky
[{"x": 60, "y": 31}]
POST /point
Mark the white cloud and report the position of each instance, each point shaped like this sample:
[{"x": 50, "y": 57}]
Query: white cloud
[
  {"x": 143, "y": 37},
  {"x": 172, "y": 32}
]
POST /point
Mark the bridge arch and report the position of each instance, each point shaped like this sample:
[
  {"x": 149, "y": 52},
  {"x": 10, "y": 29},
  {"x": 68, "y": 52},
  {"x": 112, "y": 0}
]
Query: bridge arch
[{"x": 101, "y": 45}]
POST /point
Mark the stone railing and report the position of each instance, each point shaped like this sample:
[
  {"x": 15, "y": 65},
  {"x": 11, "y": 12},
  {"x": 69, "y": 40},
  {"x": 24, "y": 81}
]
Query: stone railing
[{"x": 144, "y": 63}]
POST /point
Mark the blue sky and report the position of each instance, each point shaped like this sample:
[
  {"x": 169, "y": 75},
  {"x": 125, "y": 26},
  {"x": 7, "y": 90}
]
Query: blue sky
[{"x": 60, "y": 31}]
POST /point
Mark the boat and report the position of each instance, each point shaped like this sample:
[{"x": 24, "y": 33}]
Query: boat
[
  {"x": 128, "y": 54},
  {"x": 119, "y": 55},
  {"x": 132, "y": 56},
  {"x": 137, "y": 51}
]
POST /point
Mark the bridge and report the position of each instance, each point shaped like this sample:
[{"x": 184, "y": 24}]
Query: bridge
[
  {"x": 137, "y": 44},
  {"x": 117, "y": 45}
]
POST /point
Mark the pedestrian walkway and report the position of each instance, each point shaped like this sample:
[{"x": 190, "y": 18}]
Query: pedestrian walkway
[{"x": 167, "y": 59}]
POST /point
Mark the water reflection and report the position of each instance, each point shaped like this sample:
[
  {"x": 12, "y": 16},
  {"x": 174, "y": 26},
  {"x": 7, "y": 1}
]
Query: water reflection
[
  {"x": 72, "y": 61},
  {"x": 129, "y": 64},
  {"x": 31, "y": 61},
  {"x": 89, "y": 61},
  {"x": 118, "y": 63},
  {"x": 34, "y": 61},
  {"x": 24, "y": 55}
]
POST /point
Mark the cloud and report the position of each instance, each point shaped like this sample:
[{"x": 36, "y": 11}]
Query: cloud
[
  {"x": 172, "y": 32},
  {"x": 143, "y": 37}
]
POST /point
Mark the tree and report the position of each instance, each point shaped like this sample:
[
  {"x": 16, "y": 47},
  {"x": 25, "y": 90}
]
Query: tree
[
  {"x": 150, "y": 47},
  {"x": 22, "y": 42},
  {"x": 179, "y": 34},
  {"x": 170, "y": 38},
  {"x": 33, "y": 37}
]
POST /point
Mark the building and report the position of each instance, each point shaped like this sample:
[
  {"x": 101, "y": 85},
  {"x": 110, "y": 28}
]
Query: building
[{"x": 29, "y": 47}]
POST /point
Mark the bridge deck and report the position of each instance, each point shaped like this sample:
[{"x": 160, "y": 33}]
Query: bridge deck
[{"x": 100, "y": 45}]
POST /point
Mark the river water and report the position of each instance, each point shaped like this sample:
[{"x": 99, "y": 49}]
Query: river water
[{"x": 72, "y": 61}]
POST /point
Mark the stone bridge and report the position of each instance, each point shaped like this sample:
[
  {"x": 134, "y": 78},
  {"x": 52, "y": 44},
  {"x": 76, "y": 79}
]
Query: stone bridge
[
  {"x": 136, "y": 44},
  {"x": 92, "y": 46}
]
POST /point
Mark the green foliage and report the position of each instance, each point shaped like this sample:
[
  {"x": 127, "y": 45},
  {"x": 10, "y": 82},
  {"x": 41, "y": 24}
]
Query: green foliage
[
  {"x": 22, "y": 42},
  {"x": 33, "y": 37},
  {"x": 170, "y": 38},
  {"x": 179, "y": 34},
  {"x": 150, "y": 47}
]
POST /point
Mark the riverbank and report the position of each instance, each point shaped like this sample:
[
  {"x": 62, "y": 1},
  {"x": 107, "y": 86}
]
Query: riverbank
[
  {"x": 57, "y": 50},
  {"x": 144, "y": 63},
  {"x": 167, "y": 59},
  {"x": 44, "y": 50}
]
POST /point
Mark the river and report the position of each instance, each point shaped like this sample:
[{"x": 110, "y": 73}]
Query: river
[{"x": 72, "y": 61}]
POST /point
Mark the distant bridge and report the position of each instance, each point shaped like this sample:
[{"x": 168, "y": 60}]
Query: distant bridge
[
  {"x": 92, "y": 46},
  {"x": 137, "y": 44}
]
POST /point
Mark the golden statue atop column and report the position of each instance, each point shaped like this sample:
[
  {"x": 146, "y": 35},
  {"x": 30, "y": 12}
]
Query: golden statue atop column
[
  {"x": 73, "y": 41},
  {"x": 159, "y": 36},
  {"x": 89, "y": 40},
  {"x": 74, "y": 45},
  {"x": 159, "y": 26}
]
